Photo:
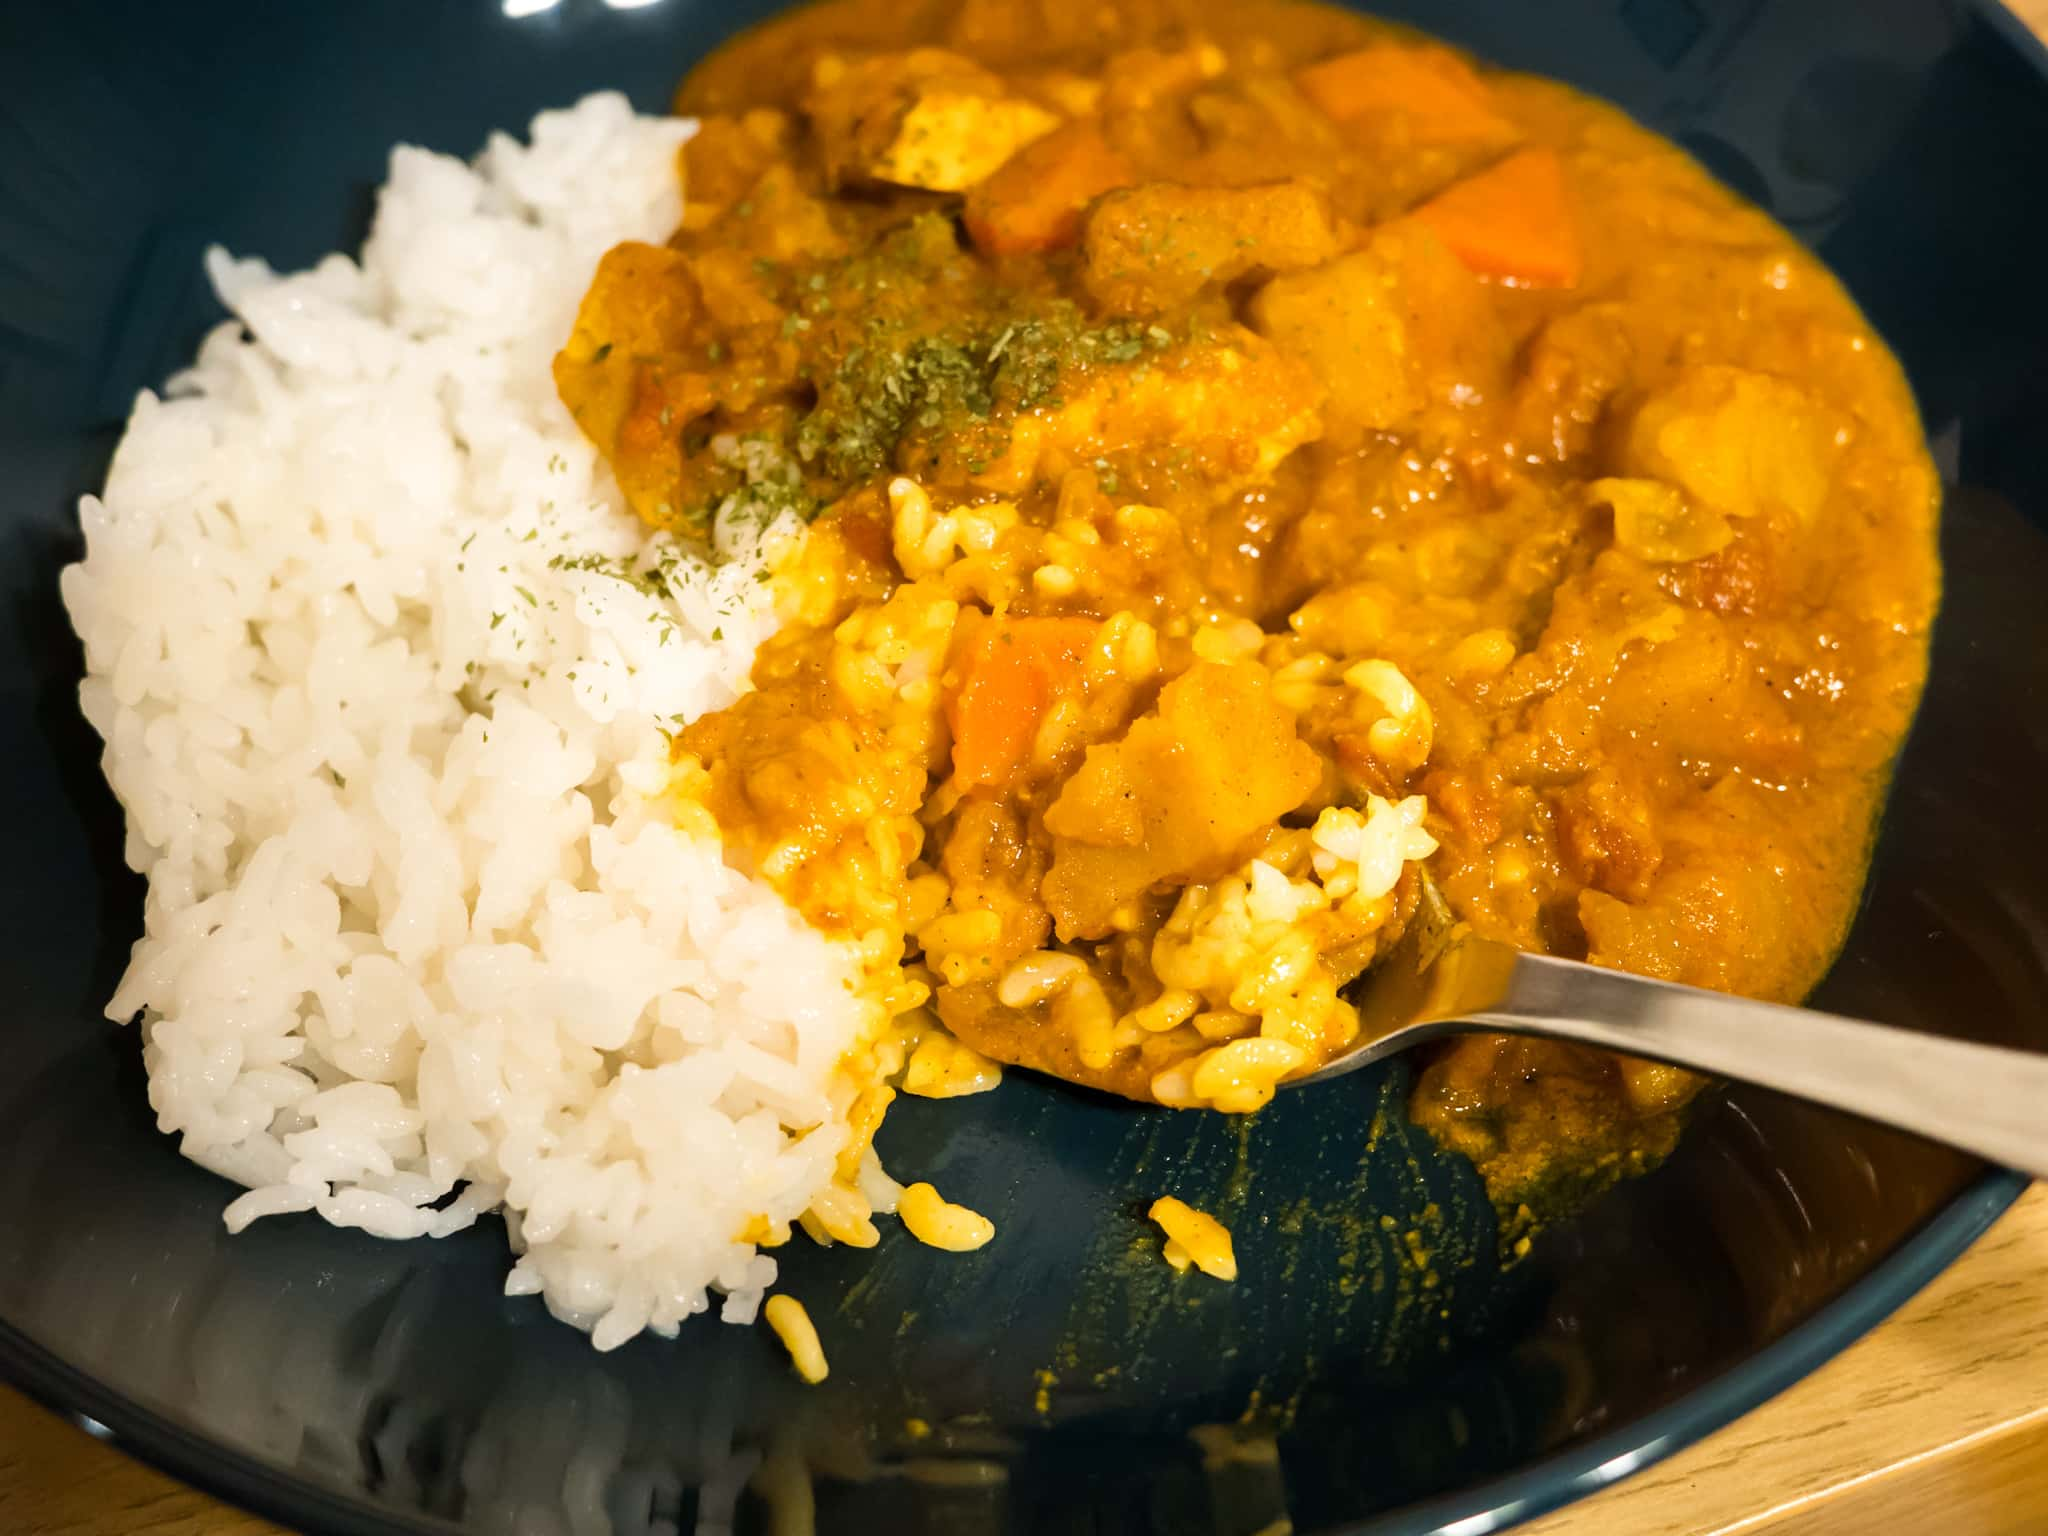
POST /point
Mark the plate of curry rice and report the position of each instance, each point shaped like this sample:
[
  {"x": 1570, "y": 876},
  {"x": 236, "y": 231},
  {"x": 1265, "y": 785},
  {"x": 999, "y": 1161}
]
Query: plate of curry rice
[{"x": 708, "y": 701}]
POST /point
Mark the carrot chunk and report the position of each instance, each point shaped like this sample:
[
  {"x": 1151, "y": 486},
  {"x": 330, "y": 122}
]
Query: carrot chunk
[
  {"x": 1512, "y": 222},
  {"x": 1035, "y": 201},
  {"x": 1010, "y": 671},
  {"x": 1440, "y": 96}
]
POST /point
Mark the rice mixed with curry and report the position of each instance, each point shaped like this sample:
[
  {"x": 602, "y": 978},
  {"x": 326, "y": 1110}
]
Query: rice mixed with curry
[{"x": 1132, "y": 491}]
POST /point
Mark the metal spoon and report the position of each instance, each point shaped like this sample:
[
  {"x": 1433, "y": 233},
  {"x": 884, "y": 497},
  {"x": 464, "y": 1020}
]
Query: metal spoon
[{"x": 1442, "y": 978}]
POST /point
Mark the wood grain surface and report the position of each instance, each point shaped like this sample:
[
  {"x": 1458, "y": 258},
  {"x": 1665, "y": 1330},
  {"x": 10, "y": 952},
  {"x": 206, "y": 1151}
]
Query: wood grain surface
[
  {"x": 1944, "y": 1408},
  {"x": 1936, "y": 1424}
]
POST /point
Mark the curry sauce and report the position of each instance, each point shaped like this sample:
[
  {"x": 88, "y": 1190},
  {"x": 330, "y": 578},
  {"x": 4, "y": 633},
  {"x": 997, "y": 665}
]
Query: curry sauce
[{"x": 1257, "y": 455}]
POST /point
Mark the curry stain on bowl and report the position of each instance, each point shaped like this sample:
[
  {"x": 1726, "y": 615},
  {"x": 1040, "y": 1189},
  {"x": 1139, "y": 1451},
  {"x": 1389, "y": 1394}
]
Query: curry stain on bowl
[{"x": 1326, "y": 1275}]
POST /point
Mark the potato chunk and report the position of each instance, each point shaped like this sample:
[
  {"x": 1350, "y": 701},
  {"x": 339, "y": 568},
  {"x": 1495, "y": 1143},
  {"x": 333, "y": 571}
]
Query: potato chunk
[
  {"x": 623, "y": 374},
  {"x": 1387, "y": 329},
  {"x": 1742, "y": 443},
  {"x": 927, "y": 118},
  {"x": 1346, "y": 319},
  {"x": 1176, "y": 800},
  {"x": 725, "y": 156},
  {"x": 1153, "y": 247}
]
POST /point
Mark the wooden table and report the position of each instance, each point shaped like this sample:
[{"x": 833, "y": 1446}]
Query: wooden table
[{"x": 1936, "y": 1423}]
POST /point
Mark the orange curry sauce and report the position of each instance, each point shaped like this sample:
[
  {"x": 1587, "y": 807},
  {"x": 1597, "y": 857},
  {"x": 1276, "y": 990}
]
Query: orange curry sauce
[{"x": 1150, "y": 367}]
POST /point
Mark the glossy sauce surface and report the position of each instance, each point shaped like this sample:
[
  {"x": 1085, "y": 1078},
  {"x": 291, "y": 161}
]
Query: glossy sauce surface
[{"x": 1150, "y": 369}]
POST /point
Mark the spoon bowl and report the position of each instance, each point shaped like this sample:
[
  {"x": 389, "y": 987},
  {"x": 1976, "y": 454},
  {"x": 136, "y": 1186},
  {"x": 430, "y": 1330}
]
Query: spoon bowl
[{"x": 1442, "y": 978}]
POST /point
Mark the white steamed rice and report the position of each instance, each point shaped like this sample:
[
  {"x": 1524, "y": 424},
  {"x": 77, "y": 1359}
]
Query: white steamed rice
[{"x": 416, "y": 921}]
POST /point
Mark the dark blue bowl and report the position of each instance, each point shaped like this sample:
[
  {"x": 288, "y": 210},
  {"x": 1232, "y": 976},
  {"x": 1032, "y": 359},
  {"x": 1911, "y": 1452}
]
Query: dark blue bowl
[{"x": 343, "y": 1384}]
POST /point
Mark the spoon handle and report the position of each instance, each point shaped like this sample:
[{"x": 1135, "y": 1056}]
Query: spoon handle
[{"x": 1983, "y": 1098}]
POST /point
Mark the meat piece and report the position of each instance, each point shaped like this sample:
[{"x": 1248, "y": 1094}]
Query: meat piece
[
  {"x": 1152, "y": 248},
  {"x": 1605, "y": 833},
  {"x": 1021, "y": 1037},
  {"x": 651, "y": 355},
  {"x": 624, "y": 374},
  {"x": 1570, "y": 371},
  {"x": 726, "y": 156},
  {"x": 642, "y": 302}
]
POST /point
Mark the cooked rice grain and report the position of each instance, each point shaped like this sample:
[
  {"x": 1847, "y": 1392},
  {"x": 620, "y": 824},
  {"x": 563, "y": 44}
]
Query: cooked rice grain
[
  {"x": 388, "y": 720},
  {"x": 938, "y": 1223},
  {"x": 1194, "y": 1237},
  {"x": 799, "y": 1335}
]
